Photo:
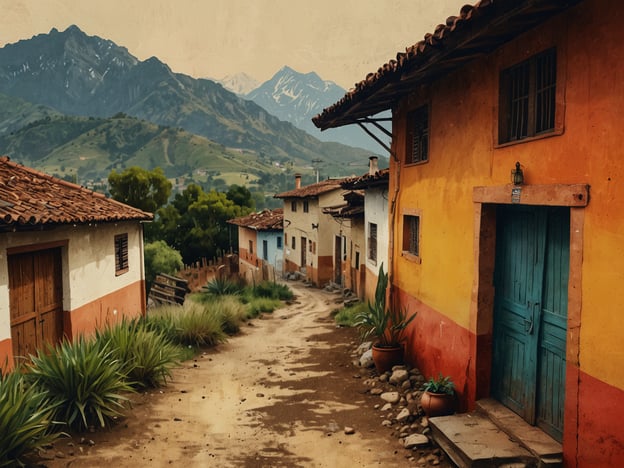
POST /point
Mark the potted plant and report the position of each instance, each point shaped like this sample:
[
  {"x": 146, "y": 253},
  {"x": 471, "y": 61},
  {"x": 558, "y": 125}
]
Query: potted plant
[
  {"x": 438, "y": 398},
  {"x": 385, "y": 326}
]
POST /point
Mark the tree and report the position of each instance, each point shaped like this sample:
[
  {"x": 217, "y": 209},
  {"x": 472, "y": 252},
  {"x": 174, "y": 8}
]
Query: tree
[
  {"x": 138, "y": 187},
  {"x": 160, "y": 258},
  {"x": 195, "y": 223},
  {"x": 241, "y": 196}
]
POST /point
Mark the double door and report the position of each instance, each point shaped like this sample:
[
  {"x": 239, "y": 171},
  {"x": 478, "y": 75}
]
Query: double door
[
  {"x": 35, "y": 300},
  {"x": 530, "y": 313}
]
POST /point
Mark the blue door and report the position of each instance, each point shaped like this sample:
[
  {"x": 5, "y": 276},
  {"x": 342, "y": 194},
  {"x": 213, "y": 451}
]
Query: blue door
[{"x": 530, "y": 312}]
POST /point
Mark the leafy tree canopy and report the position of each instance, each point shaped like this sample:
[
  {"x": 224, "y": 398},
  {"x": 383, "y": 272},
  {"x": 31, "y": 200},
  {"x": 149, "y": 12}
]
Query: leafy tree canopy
[
  {"x": 195, "y": 223},
  {"x": 138, "y": 187},
  {"x": 160, "y": 258}
]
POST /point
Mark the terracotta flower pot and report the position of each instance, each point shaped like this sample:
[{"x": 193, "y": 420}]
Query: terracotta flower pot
[
  {"x": 437, "y": 404},
  {"x": 385, "y": 358}
]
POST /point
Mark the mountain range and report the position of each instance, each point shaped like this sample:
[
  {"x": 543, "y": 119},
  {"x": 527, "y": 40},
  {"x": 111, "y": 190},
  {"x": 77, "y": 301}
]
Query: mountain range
[
  {"x": 73, "y": 74},
  {"x": 297, "y": 97}
]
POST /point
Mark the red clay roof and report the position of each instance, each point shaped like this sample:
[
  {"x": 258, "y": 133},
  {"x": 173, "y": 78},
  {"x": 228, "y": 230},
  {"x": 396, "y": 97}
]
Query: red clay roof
[
  {"x": 265, "y": 220},
  {"x": 31, "y": 198},
  {"x": 477, "y": 31},
  {"x": 379, "y": 178},
  {"x": 313, "y": 190}
]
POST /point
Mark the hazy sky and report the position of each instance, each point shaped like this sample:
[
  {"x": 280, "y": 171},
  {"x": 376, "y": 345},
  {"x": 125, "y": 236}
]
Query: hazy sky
[{"x": 341, "y": 40}]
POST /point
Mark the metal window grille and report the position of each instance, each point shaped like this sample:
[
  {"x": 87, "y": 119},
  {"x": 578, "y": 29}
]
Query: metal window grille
[
  {"x": 527, "y": 97},
  {"x": 413, "y": 231}
]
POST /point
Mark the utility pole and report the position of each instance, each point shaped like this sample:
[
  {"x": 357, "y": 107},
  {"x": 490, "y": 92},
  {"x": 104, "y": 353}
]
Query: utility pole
[{"x": 316, "y": 163}]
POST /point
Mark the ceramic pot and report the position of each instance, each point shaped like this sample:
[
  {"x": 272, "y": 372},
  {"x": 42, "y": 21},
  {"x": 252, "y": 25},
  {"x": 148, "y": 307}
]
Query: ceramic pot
[
  {"x": 385, "y": 358},
  {"x": 437, "y": 404}
]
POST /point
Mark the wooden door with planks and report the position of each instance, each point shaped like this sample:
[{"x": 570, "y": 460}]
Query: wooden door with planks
[{"x": 35, "y": 300}]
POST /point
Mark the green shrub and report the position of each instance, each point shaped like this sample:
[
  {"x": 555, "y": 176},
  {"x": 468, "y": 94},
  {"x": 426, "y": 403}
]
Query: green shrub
[
  {"x": 160, "y": 258},
  {"x": 262, "y": 304},
  {"x": 25, "y": 419},
  {"x": 83, "y": 380},
  {"x": 191, "y": 324},
  {"x": 147, "y": 356},
  {"x": 231, "y": 311},
  {"x": 273, "y": 290},
  {"x": 221, "y": 286},
  {"x": 346, "y": 316}
]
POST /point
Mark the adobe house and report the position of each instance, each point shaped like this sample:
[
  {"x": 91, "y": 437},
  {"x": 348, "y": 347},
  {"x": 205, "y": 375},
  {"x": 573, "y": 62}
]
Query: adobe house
[
  {"x": 71, "y": 260},
  {"x": 506, "y": 210},
  {"x": 374, "y": 251},
  {"x": 310, "y": 236},
  {"x": 260, "y": 244}
]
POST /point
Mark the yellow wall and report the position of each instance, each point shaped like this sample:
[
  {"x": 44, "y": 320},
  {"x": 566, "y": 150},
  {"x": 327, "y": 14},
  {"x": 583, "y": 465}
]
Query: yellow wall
[{"x": 463, "y": 154}]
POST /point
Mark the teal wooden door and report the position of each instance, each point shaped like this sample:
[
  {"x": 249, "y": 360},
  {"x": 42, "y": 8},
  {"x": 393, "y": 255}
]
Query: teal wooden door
[{"x": 530, "y": 313}]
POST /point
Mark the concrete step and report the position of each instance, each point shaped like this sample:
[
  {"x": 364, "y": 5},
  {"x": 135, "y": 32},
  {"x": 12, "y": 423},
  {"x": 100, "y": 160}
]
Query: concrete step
[
  {"x": 472, "y": 440},
  {"x": 494, "y": 436}
]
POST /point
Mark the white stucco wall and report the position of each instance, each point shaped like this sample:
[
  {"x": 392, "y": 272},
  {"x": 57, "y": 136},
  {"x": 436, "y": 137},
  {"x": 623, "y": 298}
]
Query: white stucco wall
[
  {"x": 88, "y": 262},
  {"x": 376, "y": 211}
]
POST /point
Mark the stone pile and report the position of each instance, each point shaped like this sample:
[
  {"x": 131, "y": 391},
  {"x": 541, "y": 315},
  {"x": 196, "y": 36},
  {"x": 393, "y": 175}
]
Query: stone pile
[{"x": 396, "y": 397}]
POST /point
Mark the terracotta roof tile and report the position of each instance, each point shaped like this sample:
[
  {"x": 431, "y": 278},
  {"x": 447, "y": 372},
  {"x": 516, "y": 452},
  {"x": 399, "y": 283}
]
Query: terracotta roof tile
[
  {"x": 367, "y": 180},
  {"x": 265, "y": 220},
  {"x": 477, "y": 30},
  {"x": 30, "y": 198},
  {"x": 313, "y": 190}
]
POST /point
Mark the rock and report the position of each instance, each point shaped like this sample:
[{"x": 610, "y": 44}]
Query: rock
[
  {"x": 406, "y": 385},
  {"x": 398, "y": 377},
  {"x": 416, "y": 440},
  {"x": 386, "y": 423},
  {"x": 383, "y": 377},
  {"x": 403, "y": 415},
  {"x": 386, "y": 407},
  {"x": 364, "y": 347},
  {"x": 349, "y": 430},
  {"x": 366, "y": 360},
  {"x": 391, "y": 397},
  {"x": 376, "y": 391}
]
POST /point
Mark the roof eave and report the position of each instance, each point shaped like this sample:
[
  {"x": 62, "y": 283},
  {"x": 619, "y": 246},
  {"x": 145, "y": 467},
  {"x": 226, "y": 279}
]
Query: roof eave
[{"x": 477, "y": 32}]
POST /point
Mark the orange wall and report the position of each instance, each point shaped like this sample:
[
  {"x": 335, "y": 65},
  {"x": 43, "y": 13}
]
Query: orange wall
[
  {"x": 441, "y": 284},
  {"x": 6, "y": 355},
  {"x": 126, "y": 302}
]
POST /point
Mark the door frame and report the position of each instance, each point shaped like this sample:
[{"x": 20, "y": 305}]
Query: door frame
[{"x": 485, "y": 199}]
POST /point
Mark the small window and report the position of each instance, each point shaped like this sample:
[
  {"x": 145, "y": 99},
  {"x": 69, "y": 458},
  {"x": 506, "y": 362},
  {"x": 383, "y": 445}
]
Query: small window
[
  {"x": 293, "y": 206},
  {"x": 357, "y": 260},
  {"x": 527, "y": 98},
  {"x": 265, "y": 250},
  {"x": 306, "y": 206},
  {"x": 310, "y": 243},
  {"x": 121, "y": 254},
  {"x": 372, "y": 242},
  {"x": 293, "y": 244},
  {"x": 279, "y": 242},
  {"x": 417, "y": 150},
  {"x": 411, "y": 235},
  {"x": 251, "y": 247}
]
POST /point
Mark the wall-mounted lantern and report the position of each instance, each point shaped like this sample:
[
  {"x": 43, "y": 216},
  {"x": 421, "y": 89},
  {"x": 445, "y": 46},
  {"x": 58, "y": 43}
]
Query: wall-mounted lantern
[{"x": 517, "y": 176}]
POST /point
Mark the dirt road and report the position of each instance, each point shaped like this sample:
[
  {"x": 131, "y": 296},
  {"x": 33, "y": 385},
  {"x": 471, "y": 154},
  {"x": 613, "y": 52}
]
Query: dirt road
[{"x": 279, "y": 394}]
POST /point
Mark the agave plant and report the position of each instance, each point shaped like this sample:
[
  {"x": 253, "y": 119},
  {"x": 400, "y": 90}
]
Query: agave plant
[
  {"x": 147, "y": 356},
  {"x": 85, "y": 383},
  {"x": 25, "y": 419},
  {"x": 385, "y": 325}
]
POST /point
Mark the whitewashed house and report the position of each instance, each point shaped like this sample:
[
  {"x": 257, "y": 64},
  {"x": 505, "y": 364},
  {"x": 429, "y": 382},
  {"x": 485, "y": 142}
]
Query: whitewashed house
[{"x": 71, "y": 260}]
